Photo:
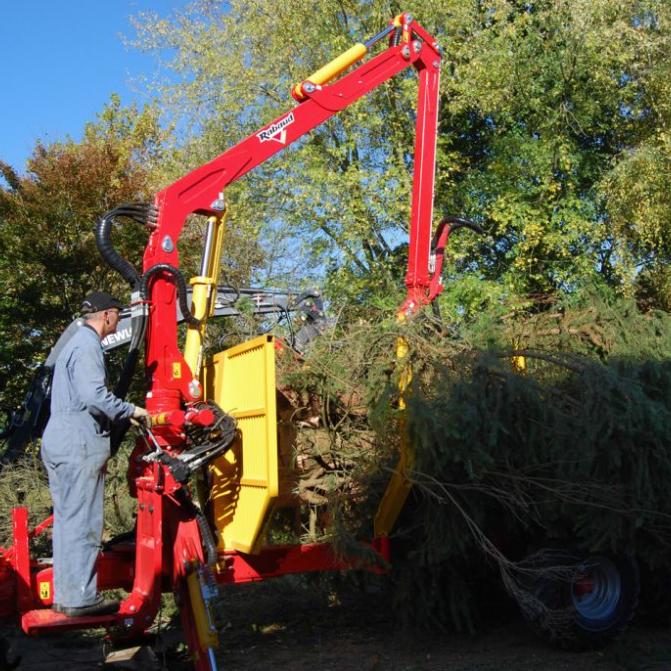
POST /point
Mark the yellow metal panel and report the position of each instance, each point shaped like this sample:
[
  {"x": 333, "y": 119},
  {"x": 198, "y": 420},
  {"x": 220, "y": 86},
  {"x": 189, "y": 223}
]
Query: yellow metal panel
[{"x": 245, "y": 481}]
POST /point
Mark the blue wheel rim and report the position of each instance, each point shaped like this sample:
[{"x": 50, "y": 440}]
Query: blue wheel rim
[{"x": 596, "y": 608}]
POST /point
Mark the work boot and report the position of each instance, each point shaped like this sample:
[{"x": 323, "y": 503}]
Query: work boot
[{"x": 101, "y": 607}]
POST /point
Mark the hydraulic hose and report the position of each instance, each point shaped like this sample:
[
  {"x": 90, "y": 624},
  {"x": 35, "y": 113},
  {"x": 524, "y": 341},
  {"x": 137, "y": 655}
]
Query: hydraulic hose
[
  {"x": 444, "y": 229},
  {"x": 454, "y": 224},
  {"x": 206, "y": 535},
  {"x": 138, "y": 329},
  {"x": 181, "y": 288},
  {"x": 144, "y": 214},
  {"x": 207, "y": 538},
  {"x": 141, "y": 213},
  {"x": 122, "y": 386}
]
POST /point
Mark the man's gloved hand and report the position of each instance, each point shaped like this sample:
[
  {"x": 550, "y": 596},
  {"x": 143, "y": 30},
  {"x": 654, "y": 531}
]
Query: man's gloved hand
[{"x": 140, "y": 417}]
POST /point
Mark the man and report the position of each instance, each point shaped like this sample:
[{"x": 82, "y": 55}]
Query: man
[{"x": 75, "y": 449}]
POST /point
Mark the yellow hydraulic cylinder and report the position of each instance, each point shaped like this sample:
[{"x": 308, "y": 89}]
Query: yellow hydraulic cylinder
[
  {"x": 215, "y": 258},
  {"x": 399, "y": 485},
  {"x": 193, "y": 347},
  {"x": 519, "y": 363},
  {"x": 204, "y": 293},
  {"x": 207, "y": 634},
  {"x": 331, "y": 70}
]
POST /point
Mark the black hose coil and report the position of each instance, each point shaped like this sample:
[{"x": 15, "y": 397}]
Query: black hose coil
[{"x": 181, "y": 288}]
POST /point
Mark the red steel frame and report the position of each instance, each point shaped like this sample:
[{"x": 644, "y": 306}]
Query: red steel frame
[{"x": 168, "y": 541}]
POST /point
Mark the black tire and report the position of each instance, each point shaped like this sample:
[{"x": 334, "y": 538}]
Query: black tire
[{"x": 578, "y": 601}]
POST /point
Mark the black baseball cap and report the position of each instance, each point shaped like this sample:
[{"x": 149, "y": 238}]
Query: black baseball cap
[{"x": 97, "y": 301}]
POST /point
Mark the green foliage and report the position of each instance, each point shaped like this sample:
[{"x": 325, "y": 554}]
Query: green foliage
[
  {"x": 550, "y": 97},
  {"x": 553, "y": 134},
  {"x": 25, "y": 483},
  {"x": 571, "y": 451},
  {"x": 48, "y": 257}
]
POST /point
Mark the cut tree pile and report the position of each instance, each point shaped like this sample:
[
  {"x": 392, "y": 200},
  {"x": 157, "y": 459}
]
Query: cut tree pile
[{"x": 568, "y": 447}]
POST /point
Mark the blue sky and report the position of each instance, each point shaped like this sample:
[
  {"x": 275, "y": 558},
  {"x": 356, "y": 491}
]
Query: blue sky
[{"x": 59, "y": 63}]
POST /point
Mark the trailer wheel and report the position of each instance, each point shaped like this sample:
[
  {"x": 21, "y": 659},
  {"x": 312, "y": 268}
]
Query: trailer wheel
[{"x": 588, "y": 606}]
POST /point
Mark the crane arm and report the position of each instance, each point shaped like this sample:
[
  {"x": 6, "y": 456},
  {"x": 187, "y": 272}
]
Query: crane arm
[{"x": 200, "y": 191}]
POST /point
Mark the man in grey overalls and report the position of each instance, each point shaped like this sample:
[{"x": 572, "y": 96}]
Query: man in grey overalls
[{"x": 75, "y": 449}]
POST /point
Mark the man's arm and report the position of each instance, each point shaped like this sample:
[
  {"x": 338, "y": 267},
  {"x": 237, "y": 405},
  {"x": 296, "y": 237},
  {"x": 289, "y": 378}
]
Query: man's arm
[{"x": 88, "y": 371}]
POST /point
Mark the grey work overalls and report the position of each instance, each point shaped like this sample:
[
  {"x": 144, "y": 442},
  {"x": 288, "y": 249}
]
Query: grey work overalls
[{"x": 75, "y": 449}]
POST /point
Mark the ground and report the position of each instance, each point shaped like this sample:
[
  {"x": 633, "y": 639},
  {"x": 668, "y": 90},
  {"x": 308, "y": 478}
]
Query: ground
[{"x": 297, "y": 625}]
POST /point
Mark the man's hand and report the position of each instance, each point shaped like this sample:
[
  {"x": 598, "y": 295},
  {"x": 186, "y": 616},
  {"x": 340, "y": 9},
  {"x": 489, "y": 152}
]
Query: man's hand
[{"x": 140, "y": 417}]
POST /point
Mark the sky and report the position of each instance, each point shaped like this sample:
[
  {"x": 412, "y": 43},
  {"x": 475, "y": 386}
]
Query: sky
[{"x": 60, "y": 60}]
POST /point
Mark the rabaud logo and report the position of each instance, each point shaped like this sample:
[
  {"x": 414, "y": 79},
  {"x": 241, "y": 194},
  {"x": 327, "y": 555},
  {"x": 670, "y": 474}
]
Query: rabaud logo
[{"x": 277, "y": 131}]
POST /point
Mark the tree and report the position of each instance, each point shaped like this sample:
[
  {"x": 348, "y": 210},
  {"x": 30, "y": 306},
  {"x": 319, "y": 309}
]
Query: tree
[
  {"x": 548, "y": 109},
  {"x": 48, "y": 256},
  {"x": 558, "y": 97}
]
